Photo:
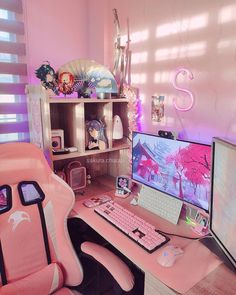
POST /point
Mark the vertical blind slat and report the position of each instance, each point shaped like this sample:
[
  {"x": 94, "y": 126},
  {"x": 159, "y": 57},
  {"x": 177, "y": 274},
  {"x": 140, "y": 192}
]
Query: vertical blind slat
[
  {"x": 13, "y": 127},
  {"x": 12, "y": 26},
  {"x": 13, "y": 114},
  {"x": 13, "y": 108},
  {"x": 12, "y": 5},
  {"x": 13, "y": 68},
  {"x": 12, "y": 47},
  {"x": 12, "y": 88}
]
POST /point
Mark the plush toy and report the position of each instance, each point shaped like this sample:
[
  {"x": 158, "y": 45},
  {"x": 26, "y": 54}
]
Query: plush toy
[{"x": 97, "y": 138}]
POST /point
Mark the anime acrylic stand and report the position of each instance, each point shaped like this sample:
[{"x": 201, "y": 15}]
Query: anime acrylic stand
[
  {"x": 97, "y": 137},
  {"x": 48, "y": 77}
]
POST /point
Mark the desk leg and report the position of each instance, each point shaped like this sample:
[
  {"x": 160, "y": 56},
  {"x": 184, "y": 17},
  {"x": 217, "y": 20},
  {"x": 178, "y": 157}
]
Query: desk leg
[{"x": 155, "y": 287}]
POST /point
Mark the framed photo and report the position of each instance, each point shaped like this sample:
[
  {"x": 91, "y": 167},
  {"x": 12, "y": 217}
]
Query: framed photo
[{"x": 157, "y": 108}]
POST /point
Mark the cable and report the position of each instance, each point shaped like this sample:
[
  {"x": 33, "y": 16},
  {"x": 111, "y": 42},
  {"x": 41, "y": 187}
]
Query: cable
[{"x": 184, "y": 237}]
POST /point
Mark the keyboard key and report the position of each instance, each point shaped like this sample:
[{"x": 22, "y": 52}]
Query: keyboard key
[{"x": 136, "y": 228}]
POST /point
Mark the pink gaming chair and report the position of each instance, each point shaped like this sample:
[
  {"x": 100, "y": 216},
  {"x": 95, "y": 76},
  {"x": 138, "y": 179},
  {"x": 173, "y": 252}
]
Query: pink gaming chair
[{"x": 36, "y": 254}]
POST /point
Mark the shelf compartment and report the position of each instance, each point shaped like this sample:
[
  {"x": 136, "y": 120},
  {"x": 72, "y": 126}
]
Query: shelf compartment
[
  {"x": 121, "y": 110},
  {"x": 89, "y": 153},
  {"x": 70, "y": 118},
  {"x": 99, "y": 111}
]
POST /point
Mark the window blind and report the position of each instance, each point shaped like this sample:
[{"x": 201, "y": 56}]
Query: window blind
[{"x": 13, "y": 73}]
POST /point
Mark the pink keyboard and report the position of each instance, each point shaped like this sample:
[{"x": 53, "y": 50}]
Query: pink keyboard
[{"x": 137, "y": 229}]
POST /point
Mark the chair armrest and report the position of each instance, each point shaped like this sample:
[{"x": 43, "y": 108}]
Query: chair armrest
[{"x": 117, "y": 268}]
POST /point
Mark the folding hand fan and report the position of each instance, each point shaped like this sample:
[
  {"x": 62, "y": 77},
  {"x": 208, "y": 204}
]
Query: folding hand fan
[{"x": 93, "y": 73}]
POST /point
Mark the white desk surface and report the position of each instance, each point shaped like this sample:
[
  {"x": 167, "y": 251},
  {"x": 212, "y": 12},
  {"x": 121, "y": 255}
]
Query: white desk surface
[{"x": 188, "y": 270}]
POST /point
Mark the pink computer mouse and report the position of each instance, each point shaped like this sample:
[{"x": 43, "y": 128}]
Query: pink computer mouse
[{"x": 168, "y": 254}]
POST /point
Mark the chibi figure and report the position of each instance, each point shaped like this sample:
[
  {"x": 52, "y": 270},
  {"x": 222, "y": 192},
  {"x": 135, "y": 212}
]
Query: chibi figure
[
  {"x": 66, "y": 83},
  {"x": 48, "y": 77},
  {"x": 97, "y": 138}
]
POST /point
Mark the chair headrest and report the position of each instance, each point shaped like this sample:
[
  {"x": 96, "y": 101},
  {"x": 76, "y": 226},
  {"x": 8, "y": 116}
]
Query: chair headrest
[{"x": 22, "y": 161}]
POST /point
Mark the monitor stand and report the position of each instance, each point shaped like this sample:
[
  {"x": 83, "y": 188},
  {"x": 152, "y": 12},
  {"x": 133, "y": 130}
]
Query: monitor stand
[
  {"x": 159, "y": 203},
  {"x": 214, "y": 247}
]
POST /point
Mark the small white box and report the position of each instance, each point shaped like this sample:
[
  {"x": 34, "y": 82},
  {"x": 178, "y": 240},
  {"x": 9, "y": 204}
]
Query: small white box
[{"x": 58, "y": 139}]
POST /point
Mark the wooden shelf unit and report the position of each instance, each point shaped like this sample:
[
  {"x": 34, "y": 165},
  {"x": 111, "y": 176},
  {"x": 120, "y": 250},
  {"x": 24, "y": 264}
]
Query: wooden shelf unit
[{"x": 70, "y": 115}]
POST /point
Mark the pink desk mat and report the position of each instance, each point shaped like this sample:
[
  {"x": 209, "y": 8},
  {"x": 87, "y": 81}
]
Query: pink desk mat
[{"x": 189, "y": 269}]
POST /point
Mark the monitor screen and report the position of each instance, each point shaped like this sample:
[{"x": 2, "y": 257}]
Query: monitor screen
[
  {"x": 178, "y": 168},
  {"x": 223, "y": 197}
]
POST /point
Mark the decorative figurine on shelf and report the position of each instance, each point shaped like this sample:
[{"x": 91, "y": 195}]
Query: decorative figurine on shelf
[
  {"x": 48, "y": 77},
  {"x": 97, "y": 137},
  {"x": 66, "y": 83},
  {"x": 117, "y": 129}
]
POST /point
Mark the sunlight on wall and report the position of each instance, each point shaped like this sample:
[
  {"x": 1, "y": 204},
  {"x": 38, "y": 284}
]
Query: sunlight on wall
[
  {"x": 222, "y": 44},
  {"x": 162, "y": 77},
  {"x": 188, "y": 24},
  {"x": 225, "y": 44},
  {"x": 136, "y": 37},
  {"x": 227, "y": 14},
  {"x": 189, "y": 50},
  {"x": 140, "y": 78},
  {"x": 139, "y": 57}
]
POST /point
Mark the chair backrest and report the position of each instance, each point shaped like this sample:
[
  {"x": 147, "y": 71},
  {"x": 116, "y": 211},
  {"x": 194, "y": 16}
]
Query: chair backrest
[{"x": 34, "y": 206}]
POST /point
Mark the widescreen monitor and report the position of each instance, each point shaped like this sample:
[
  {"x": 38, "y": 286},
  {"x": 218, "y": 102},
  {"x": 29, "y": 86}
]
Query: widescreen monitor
[
  {"x": 223, "y": 197},
  {"x": 178, "y": 168}
]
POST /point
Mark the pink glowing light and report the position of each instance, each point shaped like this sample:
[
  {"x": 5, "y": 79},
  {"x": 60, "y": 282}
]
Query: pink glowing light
[{"x": 183, "y": 71}]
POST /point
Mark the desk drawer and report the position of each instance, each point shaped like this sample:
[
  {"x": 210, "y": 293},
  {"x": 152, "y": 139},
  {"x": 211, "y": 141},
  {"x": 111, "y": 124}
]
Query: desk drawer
[{"x": 155, "y": 287}]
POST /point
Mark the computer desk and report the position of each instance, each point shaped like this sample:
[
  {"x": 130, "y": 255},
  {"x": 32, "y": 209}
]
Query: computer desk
[{"x": 197, "y": 272}]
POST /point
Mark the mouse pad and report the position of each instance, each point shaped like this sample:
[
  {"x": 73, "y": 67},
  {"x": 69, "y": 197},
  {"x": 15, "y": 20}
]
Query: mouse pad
[{"x": 189, "y": 269}]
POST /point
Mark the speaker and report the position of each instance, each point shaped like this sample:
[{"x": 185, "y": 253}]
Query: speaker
[
  {"x": 166, "y": 134},
  {"x": 57, "y": 139}
]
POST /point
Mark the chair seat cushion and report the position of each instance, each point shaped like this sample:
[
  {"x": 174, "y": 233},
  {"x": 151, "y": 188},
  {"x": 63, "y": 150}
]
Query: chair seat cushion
[
  {"x": 43, "y": 282},
  {"x": 117, "y": 268}
]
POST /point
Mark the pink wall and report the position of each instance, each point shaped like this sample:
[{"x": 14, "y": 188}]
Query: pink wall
[
  {"x": 56, "y": 31},
  {"x": 165, "y": 35},
  {"x": 170, "y": 34}
]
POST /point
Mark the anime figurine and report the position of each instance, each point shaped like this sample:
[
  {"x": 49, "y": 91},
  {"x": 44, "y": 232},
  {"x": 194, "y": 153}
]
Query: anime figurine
[
  {"x": 66, "y": 83},
  {"x": 97, "y": 138},
  {"x": 48, "y": 77}
]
